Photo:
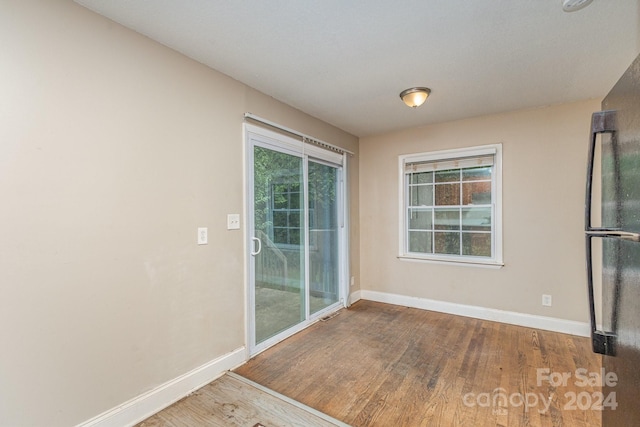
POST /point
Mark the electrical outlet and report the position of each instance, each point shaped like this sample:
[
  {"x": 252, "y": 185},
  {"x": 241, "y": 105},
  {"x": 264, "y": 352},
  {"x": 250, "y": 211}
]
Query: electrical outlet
[
  {"x": 546, "y": 300},
  {"x": 353, "y": 281},
  {"x": 203, "y": 237}
]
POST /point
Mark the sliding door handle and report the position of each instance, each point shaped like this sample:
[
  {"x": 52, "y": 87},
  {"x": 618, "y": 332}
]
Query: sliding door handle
[
  {"x": 601, "y": 122},
  {"x": 259, "y": 242}
]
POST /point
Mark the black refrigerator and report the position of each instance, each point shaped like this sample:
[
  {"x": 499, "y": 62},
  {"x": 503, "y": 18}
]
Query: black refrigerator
[{"x": 612, "y": 217}]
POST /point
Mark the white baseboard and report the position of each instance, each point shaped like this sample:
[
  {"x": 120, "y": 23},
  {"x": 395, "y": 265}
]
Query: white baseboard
[
  {"x": 355, "y": 296},
  {"x": 141, "y": 407},
  {"x": 511, "y": 317}
]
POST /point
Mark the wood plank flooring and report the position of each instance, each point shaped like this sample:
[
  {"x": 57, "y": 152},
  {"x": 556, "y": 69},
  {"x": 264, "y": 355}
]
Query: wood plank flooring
[
  {"x": 234, "y": 401},
  {"x": 383, "y": 365}
]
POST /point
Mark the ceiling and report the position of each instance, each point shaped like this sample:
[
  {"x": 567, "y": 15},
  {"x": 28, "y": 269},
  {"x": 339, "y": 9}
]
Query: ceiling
[{"x": 345, "y": 62}]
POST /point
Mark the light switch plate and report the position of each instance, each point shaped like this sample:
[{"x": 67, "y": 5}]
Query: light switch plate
[
  {"x": 203, "y": 237},
  {"x": 233, "y": 221}
]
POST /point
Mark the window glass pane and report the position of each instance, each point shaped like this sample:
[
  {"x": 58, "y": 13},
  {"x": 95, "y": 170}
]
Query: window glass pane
[
  {"x": 294, "y": 236},
  {"x": 280, "y": 235},
  {"x": 280, "y": 201},
  {"x": 447, "y": 243},
  {"x": 420, "y": 241},
  {"x": 422, "y": 178},
  {"x": 280, "y": 188},
  {"x": 420, "y": 219},
  {"x": 476, "y": 219},
  {"x": 324, "y": 236},
  {"x": 476, "y": 244},
  {"x": 279, "y": 276},
  {"x": 280, "y": 219},
  {"x": 294, "y": 200},
  {"x": 447, "y": 194},
  {"x": 475, "y": 174},
  {"x": 476, "y": 193},
  {"x": 421, "y": 195},
  {"x": 448, "y": 175},
  {"x": 294, "y": 219},
  {"x": 447, "y": 219}
]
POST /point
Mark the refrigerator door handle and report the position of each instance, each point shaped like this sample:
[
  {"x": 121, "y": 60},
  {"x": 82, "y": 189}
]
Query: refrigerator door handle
[
  {"x": 613, "y": 232},
  {"x": 601, "y": 122},
  {"x": 602, "y": 342}
]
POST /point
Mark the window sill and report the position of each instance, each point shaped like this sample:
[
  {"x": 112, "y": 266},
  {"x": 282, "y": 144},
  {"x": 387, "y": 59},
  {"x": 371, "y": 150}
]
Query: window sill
[{"x": 452, "y": 261}]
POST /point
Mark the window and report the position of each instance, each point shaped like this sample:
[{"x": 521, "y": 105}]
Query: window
[
  {"x": 451, "y": 205},
  {"x": 287, "y": 212}
]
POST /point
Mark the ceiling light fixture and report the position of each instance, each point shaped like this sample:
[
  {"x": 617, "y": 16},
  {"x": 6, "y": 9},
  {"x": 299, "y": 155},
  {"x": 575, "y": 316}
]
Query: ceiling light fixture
[
  {"x": 573, "y": 5},
  {"x": 415, "y": 96}
]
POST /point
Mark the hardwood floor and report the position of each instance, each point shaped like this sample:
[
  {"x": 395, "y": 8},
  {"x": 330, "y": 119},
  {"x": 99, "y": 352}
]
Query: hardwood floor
[
  {"x": 383, "y": 365},
  {"x": 235, "y": 401}
]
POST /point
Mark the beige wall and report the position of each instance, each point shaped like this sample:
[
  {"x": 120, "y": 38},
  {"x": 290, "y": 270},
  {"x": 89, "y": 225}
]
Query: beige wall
[
  {"x": 544, "y": 164},
  {"x": 113, "y": 150}
]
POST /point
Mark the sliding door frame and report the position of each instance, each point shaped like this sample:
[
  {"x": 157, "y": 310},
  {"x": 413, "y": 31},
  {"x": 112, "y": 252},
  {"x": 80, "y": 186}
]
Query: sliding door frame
[{"x": 259, "y": 136}]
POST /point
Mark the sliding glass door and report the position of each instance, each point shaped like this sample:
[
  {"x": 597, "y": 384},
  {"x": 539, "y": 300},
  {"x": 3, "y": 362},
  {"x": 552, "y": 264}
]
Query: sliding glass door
[
  {"x": 295, "y": 236},
  {"x": 324, "y": 244},
  {"x": 279, "y": 247}
]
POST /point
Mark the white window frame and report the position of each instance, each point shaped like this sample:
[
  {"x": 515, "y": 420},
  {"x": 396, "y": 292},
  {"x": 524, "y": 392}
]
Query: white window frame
[{"x": 496, "y": 190}]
